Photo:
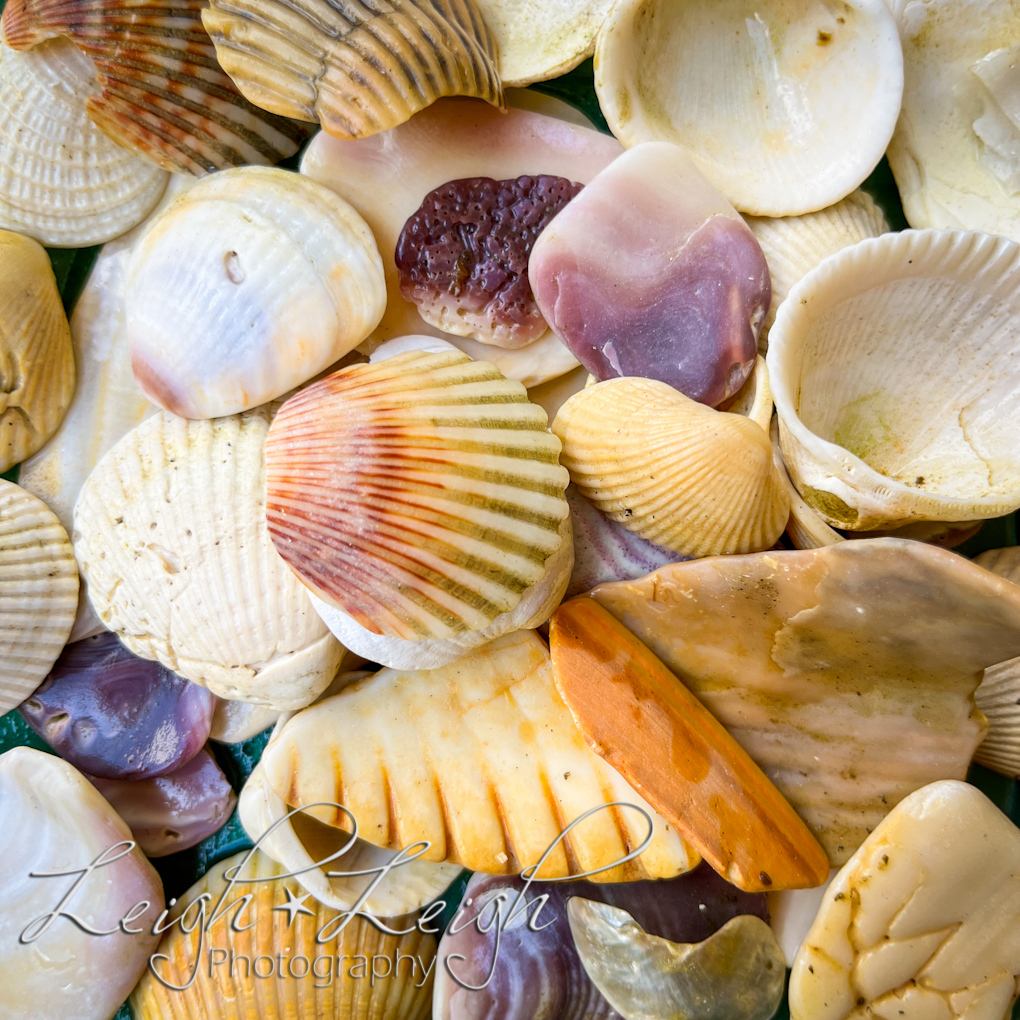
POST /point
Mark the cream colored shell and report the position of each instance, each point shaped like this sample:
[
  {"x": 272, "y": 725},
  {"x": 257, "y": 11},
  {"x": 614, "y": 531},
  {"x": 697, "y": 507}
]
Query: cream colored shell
[
  {"x": 895, "y": 370},
  {"x": 923, "y": 921},
  {"x": 38, "y": 593},
  {"x": 170, "y": 534},
  {"x": 785, "y": 106},
  {"x": 234, "y": 721},
  {"x": 62, "y": 181}
]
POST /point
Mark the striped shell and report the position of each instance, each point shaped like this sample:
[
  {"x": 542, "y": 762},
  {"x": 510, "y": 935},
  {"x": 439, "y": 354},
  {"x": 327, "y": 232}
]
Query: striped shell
[
  {"x": 36, "y": 358},
  {"x": 357, "y": 67},
  {"x": 62, "y": 181},
  {"x": 38, "y": 593}
]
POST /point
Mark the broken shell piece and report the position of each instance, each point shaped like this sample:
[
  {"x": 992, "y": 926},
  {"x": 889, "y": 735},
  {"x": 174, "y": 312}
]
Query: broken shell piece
[
  {"x": 893, "y": 405},
  {"x": 682, "y": 475},
  {"x": 922, "y": 921},
  {"x": 847, "y": 673},
  {"x": 246, "y": 286},
  {"x": 736, "y": 974},
  {"x": 62, "y": 181},
  {"x": 35, "y": 350},
  {"x": 235, "y": 721},
  {"x": 810, "y": 99},
  {"x": 170, "y": 535},
  {"x": 38, "y": 593},
  {"x": 480, "y": 758}
]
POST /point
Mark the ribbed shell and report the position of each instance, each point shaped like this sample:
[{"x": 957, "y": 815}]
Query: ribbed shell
[
  {"x": 36, "y": 358},
  {"x": 216, "y": 995},
  {"x": 62, "y": 181},
  {"x": 161, "y": 92},
  {"x": 682, "y": 475},
  {"x": 421, "y": 495},
  {"x": 170, "y": 535},
  {"x": 358, "y": 67},
  {"x": 38, "y": 593}
]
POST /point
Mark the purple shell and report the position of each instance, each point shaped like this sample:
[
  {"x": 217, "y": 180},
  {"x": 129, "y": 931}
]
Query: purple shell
[
  {"x": 538, "y": 975},
  {"x": 115, "y": 715}
]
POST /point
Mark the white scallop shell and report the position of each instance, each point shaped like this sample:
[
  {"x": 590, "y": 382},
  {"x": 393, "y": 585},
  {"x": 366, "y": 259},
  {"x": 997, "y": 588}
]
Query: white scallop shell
[
  {"x": 62, "y": 181},
  {"x": 783, "y": 112}
]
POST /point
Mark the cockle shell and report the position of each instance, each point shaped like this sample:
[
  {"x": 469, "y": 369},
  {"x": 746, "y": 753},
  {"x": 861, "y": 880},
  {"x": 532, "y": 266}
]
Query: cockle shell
[
  {"x": 341, "y": 978},
  {"x": 784, "y": 109},
  {"x": 62, "y": 181},
  {"x": 894, "y": 370},
  {"x": 923, "y": 921},
  {"x": 420, "y": 499},
  {"x": 158, "y": 90},
  {"x": 357, "y": 68},
  {"x": 481, "y": 759},
  {"x": 246, "y": 286},
  {"x": 38, "y": 593},
  {"x": 680, "y": 474},
  {"x": 36, "y": 359},
  {"x": 53, "y": 820},
  {"x": 170, "y": 535}
]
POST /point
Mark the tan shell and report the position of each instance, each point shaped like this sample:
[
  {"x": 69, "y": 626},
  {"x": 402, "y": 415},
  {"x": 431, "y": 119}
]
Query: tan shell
[
  {"x": 1004, "y": 562},
  {"x": 355, "y": 69},
  {"x": 481, "y": 758},
  {"x": 36, "y": 359},
  {"x": 170, "y": 535},
  {"x": 680, "y": 474},
  {"x": 38, "y": 593}
]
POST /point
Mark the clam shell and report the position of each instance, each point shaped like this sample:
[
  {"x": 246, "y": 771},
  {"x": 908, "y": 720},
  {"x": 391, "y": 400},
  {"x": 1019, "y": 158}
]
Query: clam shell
[
  {"x": 682, "y": 475},
  {"x": 158, "y": 90},
  {"x": 62, "y": 181},
  {"x": 805, "y": 527},
  {"x": 38, "y": 593},
  {"x": 359, "y": 68},
  {"x": 35, "y": 350},
  {"x": 894, "y": 370},
  {"x": 170, "y": 534},
  {"x": 784, "y": 113}
]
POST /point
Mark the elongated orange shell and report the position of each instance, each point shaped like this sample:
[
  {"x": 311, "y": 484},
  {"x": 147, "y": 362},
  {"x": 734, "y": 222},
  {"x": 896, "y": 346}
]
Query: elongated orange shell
[
  {"x": 421, "y": 495},
  {"x": 162, "y": 93}
]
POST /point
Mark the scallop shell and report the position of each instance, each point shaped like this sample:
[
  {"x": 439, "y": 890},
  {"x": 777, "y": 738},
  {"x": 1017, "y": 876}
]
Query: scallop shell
[
  {"x": 158, "y": 90},
  {"x": 784, "y": 113},
  {"x": 170, "y": 535},
  {"x": 62, "y": 181},
  {"x": 37, "y": 377},
  {"x": 357, "y": 68},
  {"x": 895, "y": 374},
  {"x": 682, "y": 475},
  {"x": 241, "y": 985},
  {"x": 38, "y": 593}
]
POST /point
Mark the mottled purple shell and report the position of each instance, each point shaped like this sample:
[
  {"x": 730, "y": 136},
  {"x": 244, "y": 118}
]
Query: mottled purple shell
[
  {"x": 538, "y": 975},
  {"x": 112, "y": 714}
]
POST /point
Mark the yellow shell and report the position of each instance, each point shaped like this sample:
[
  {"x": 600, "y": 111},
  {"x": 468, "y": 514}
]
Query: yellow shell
[
  {"x": 297, "y": 986},
  {"x": 682, "y": 475},
  {"x": 36, "y": 358}
]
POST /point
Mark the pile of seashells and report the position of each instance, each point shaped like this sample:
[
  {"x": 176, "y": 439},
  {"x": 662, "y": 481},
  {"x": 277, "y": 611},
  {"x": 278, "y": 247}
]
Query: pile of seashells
[{"x": 576, "y": 508}]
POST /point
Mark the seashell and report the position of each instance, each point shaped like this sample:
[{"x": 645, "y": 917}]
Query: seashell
[
  {"x": 62, "y": 181},
  {"x": 248, "y": 285},
  {"x": 552, "y": 395},
  {"x": 791, "y": 914},
  {"x": 549, "y": 106},
  {"x": 279, "y": 927},
  {"x": 481, "y": 759},
  {"x": 689, "y": 478},
  {"x": 170, "y": 535},
  {"x": 38, "y": 593},
  {"x": 847, "y": 673},
  {"x": 420, "y": 499},
  {"x": 754, "y": 399},
  {"x": 35, "y": 349},
  {"x": 737, "y": 973},
  {"x": 52, "y": 820},
  {"x": 356, "y": 69},
  {"x": 893, "y": 370},
  {"x": 810, "y": 98},
  {"x": 1004, "y": 562},
  {"x": 922, "y": 921},
  {"x": 157, "y": 89},
  {"x": 236, "y": 721}
]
